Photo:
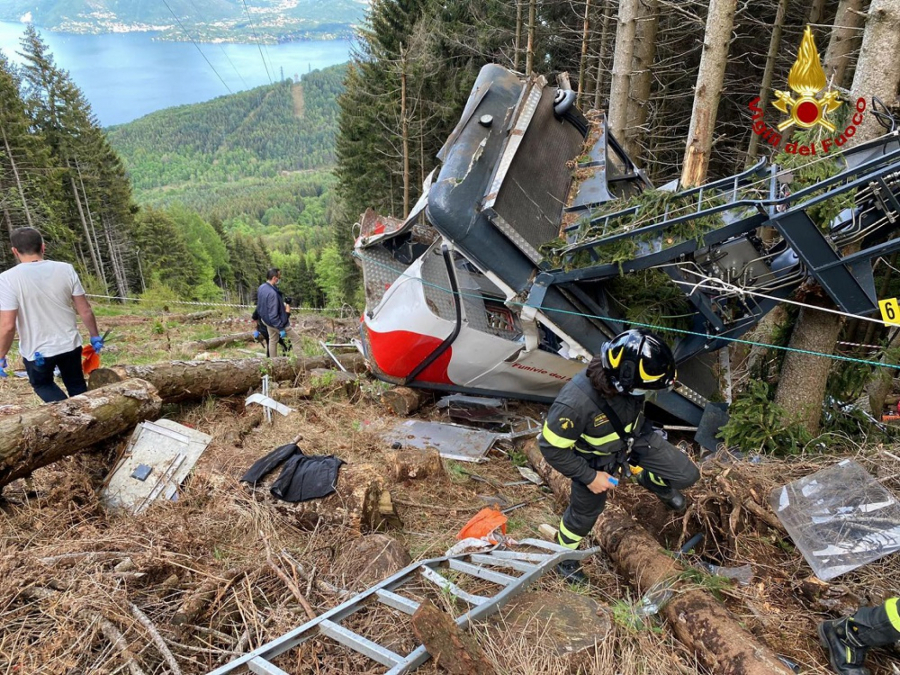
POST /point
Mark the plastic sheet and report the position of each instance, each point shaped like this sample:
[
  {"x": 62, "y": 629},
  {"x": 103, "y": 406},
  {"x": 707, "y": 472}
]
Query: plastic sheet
[{"x": 840, "y": 518}]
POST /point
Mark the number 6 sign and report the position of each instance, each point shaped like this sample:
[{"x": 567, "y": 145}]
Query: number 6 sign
[{"x": 890, "y": 311}]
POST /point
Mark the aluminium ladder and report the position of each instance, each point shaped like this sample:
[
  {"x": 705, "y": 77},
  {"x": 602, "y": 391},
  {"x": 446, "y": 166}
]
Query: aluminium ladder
[{"x": 531, "y": 566}]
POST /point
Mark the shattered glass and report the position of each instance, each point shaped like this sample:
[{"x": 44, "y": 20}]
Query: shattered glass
[{"x": 840, "y": 518}]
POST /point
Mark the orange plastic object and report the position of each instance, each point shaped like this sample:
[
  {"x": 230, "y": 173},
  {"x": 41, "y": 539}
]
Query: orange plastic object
[
  {"x": 483, "y": 523},
  {"x": 90, "y": 360}
]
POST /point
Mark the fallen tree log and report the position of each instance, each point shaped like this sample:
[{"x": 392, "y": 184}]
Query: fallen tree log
[
  {"x": 40, "y": 436},
  {"x": 212, "y": 343},
  {"x": 189, "y": 380},
  {"x": 454, "y": 651},
  {"x": 698, "y": 620}
]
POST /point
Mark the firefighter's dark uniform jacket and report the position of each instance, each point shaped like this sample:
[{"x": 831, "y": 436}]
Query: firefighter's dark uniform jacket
[
  {"x": 578, "y": 441},
  {"x": 577, "y": 438}
]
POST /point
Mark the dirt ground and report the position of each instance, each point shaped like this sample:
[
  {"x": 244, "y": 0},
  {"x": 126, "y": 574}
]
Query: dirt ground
[{"x": 189, "y": 585}]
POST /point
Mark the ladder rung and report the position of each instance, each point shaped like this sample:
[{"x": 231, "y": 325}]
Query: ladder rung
[
  {"x": 260, "y": 666},
  {"x": 527, "y": 557},
  {"x": 396, "y": 601},
  {"x": 517, "y": 565},
  {"x": 481, "y": 572},
  {"x": 448, "y": 585},
  {"x": 360, "y": 644},
  {"x": 548, "y": 545}
]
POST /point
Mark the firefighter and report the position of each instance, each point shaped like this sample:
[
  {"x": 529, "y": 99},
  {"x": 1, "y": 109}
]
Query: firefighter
[
  {"x": 596, "y": 426},
  {"x": 847, "y": 640}
]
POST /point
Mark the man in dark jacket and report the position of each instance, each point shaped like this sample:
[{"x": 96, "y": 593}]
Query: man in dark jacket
[
  {"x": 271, "y": 309},
  {"x": 596, "y": 426}
]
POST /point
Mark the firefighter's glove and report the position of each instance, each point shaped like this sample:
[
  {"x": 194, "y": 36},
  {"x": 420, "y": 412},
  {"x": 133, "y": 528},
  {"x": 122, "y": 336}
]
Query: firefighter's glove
[
  {"x": 97, "y": 344},
  {"x": 283, "y": 333},
  {"x": 4, "y": 364}
]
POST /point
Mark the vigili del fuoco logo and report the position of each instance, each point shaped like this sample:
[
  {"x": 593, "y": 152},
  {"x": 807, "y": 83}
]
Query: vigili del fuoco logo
[{"x": 808, "y": 109}]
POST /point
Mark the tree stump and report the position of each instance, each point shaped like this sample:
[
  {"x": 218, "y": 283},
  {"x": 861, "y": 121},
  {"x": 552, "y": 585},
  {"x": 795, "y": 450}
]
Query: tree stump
[
  {"x": 403, "y": 401},
  {"x": 415, "y": 464},
  {"x": 357, "y": 504},
  {"x": 452, "y": 650},
  {"x": 366, "y": 560},
  {"x": 40, "y": 436}
]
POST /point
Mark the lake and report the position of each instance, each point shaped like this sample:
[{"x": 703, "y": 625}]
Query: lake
[{"x": 127, "y": 75}]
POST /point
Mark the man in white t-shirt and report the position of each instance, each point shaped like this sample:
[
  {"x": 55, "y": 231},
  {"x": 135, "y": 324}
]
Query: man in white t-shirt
[{"x": 39, "y": 299}]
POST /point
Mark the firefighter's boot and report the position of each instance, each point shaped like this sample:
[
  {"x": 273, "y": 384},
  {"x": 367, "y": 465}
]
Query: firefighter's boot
[
  {"x": 571, "y": 571},
  {"x": 846, "y": 653},
  {"x": 669, "y": 496}
]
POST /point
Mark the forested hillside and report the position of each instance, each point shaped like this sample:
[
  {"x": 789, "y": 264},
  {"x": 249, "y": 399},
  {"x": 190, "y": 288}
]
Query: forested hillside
[
  {"x": 59, "y": 173},
  {"x": 259, "y": 133},
  {"x": 226, "y": 20},
  {"x": 258, "y": 163}
]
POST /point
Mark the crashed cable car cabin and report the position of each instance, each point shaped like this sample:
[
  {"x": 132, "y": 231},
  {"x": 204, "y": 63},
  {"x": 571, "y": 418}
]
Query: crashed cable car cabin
[{"x": 460, "y": 298}]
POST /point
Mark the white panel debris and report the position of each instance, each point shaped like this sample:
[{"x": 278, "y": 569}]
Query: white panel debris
[
  {"x": 269, "y": 403},
  {"x": 158, "y": 458}
]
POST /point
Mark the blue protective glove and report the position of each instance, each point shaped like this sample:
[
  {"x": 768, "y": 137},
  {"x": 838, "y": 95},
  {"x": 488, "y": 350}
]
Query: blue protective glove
[
  {"x": 283, "y": 333},
  {"x": 256, "y": 335},
  {"x": 3, "y": 366},
  {"x": 97, "y": 344}
]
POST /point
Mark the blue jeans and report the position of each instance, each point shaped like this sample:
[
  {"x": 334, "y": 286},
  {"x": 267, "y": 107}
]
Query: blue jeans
[{"x": 41, "y": 377}]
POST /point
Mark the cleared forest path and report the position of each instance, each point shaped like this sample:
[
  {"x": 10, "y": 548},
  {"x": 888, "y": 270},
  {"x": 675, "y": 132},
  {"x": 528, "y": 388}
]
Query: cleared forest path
[{"x": 297, "y": 96}]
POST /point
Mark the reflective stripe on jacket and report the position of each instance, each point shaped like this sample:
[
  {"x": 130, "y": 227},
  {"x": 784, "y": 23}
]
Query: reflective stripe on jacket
[{"x": 575, "y": 430}]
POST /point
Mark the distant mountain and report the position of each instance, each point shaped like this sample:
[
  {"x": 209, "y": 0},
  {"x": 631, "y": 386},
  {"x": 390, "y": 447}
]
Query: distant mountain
[{"x": 206, "y": 20}]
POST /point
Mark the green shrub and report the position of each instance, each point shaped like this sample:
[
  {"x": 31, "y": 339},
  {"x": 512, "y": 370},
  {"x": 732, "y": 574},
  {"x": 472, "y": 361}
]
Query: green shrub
[{"x": 757, "y": 424}]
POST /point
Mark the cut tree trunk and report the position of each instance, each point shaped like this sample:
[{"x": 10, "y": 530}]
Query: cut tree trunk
[
  {"x": 719, "y": 24},
  {"x": 196, "y": 316},
  {"x": 415, "y": 464},
  {"x": 191, "y": 380},
  {"x": 699, "y": 621},
  {"x": 212, "y": 343},
  {"x": 844, "y": 41},
  {"x": 620, "y": 85},
  {"x": 452, "y": 650},
  {"x": 403, "y": 401},
  {"x": 41, "y": 436},
  {"x": 357, "y": 505}
]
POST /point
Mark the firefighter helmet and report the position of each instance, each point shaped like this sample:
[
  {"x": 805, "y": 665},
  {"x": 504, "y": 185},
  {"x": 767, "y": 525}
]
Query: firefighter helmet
[{"x": 637, "y": 360}]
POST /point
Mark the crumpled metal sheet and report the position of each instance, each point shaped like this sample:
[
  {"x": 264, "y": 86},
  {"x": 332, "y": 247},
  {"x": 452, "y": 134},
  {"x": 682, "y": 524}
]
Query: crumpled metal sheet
[{"x": 452, "y": 441}]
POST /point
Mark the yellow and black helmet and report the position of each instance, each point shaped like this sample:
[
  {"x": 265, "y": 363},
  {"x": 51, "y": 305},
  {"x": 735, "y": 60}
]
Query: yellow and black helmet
[{"x": 638, "y": 360}]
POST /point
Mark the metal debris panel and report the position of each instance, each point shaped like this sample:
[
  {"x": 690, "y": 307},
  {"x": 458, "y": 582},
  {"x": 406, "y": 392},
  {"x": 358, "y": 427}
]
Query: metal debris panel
[
  {"x": 168, "y": 449},
  {"x": 840, "y": 518},
  {"x": 452, "y": 441}
]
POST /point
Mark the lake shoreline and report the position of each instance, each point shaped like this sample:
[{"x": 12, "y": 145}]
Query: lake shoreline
[{"x": 126, "y": 76}]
